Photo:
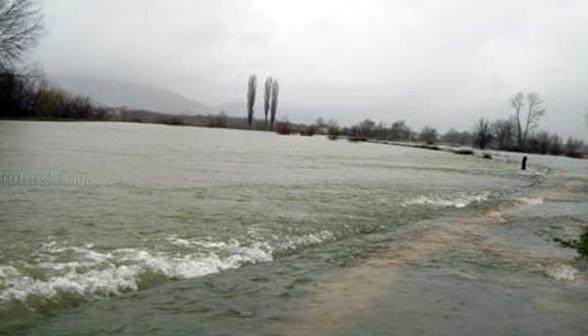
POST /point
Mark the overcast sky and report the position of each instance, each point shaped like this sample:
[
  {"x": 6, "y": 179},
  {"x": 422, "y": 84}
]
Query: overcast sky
[{"x": 444, "y": 63}]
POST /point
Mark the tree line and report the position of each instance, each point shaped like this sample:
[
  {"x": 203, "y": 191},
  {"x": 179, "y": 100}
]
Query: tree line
[
  {"x": 28, "y": 95},
  {"x": 518, "y": 132}
]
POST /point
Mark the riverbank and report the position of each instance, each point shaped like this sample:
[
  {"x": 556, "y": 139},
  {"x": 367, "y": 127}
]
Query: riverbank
[{"x": 463, "y": 150}]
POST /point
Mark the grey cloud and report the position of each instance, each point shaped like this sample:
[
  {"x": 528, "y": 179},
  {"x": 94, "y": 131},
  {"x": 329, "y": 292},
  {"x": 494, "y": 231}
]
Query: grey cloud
[{"x": 443, "y": 63}]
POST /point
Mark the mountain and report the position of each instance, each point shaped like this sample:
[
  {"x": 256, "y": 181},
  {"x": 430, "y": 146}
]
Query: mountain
[{"x": 135, "y": 96}]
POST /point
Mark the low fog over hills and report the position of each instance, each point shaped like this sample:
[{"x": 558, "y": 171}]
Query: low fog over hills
[
  {"x": 132, "y": 95},
  {"x": 116, "y": 93}
]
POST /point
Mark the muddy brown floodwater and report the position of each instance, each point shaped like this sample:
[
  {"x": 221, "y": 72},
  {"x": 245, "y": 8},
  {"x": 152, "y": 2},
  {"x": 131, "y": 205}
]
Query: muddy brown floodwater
[{"x": 190, "y": 231}]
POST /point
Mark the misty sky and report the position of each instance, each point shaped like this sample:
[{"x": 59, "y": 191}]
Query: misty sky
[{"x": 444, "y": 63}]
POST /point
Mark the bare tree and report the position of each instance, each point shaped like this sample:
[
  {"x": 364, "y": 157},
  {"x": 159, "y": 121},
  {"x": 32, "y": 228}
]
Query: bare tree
[
  {"x": 526, "y": 124},
  {"x": 504, "y": 131},
  {"x": 400, "y": 131},
  {"x": 367, "y": 127},
  {"x": 320, "y": 122},
  {"x": 573, "y": 147},
  {"x": 251, "y": 90},
  {"x": 517, "y": 102},
  {"x": 556, "y": 144},
  {"x": 535, "y": 112},
  {"x": 274, "y": 102},
  {"x": 267, "y": 97},
  {"x": 456, "y": 137},
  {"x": 20, "y": 27},
  {"x": 482, "y": 133},
  {"x": 540, "y": 143},
  {"x": 429, "y": 135},
  {"x": 333, "y": 129}
]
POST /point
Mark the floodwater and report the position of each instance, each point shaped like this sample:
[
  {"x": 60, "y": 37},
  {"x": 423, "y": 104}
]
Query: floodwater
[{"x": 159, "y": 230}]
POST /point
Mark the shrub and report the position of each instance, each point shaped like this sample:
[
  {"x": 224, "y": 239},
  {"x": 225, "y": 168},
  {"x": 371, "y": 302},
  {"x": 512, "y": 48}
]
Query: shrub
[
  {"x": 574, "y": 147},
  {"x": 428, "y": 135}
]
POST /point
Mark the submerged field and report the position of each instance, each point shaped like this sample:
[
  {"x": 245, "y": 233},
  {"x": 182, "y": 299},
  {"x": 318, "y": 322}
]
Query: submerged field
[{"x": 181, "y": 230}]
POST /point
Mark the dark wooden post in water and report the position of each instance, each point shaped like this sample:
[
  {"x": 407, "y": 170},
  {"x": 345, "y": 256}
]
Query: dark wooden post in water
[{"x": 524, "y": 163}]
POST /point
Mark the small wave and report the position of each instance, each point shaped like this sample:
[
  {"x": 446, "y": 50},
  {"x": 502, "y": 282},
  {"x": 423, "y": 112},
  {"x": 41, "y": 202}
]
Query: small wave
[
  {"x": 97, "y": 275},
  {"x": 441, "y": 202},
  {"x": 87, "y": 274},
  {"x": 275, "y": 243},
  {"x": 560, "y": 272},
  {"x": 530, "y": 200},
  {"x": 290, "y": 243}
]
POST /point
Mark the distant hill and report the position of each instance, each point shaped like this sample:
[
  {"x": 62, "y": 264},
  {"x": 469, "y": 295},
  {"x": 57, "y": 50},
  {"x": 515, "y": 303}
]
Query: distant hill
[{"x": 135, "y": 96}]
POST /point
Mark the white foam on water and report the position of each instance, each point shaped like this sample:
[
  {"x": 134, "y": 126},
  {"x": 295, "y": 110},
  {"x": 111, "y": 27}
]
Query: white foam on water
[
  {"x": 532, "y": 201},
  {"x": 444, "y": 202},
  {"x": 294, "y": 242},
  {"x": 278, "y": 243},
  {"x": 560, "y": 272},
  {"x": 94, "y": 274},
  {"x": 90, "y": 274}
]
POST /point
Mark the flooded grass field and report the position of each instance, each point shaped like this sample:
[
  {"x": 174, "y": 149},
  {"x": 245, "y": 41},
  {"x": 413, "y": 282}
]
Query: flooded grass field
[{"x": 184, "y": 230}]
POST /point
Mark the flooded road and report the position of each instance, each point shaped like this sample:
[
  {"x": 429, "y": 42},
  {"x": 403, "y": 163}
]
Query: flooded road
[
  {"x": 494, "y": 273},
  {"x": 220, "y": 232}
]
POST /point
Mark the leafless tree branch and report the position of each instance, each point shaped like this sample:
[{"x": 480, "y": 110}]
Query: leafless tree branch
[
  {"x": 529, "y": 122},
  {"x": 20, "y": 27},
  {"x": 535, "y": 112},
  {"x": 517, "y": 102}
]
